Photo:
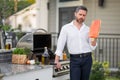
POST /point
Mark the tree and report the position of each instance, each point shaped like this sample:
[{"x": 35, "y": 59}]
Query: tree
[
  {"x": 31, "y": 1},
  {"x": 9, "y": 7},
  {"x": 6, "y": 9},
  {"x": 15, "y": 5}
]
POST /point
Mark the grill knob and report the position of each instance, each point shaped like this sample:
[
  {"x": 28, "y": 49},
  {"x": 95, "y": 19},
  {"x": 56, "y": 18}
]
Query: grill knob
[
  {"x": 56, "y": 70},
  {"x": 61, "y": 69},
  {"x": 67, "y": 67},
  {"x": 64, "y": 68}
]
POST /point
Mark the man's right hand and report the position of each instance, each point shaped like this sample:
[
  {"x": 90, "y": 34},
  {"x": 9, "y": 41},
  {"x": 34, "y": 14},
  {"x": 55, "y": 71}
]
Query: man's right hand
[{"x": 58, "y": 65}]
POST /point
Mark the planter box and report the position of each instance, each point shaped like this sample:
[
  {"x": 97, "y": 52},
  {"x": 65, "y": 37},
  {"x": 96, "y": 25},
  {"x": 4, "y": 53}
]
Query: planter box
[{"x": 19, "y": 59}]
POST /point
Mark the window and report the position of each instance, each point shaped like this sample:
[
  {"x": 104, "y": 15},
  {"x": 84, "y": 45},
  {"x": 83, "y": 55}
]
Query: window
[{"x": 66, "y": 15}]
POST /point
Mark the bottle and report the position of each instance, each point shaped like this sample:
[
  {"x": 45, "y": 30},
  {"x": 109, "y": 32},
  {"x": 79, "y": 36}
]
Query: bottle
[
  {"x": 6, "y": 46},
  {"x": 45, "y": 57},
  {"x": 64, "y": 56}
]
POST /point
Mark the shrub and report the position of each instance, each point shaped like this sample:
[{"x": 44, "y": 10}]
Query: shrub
[
  {"x": 97, "y": 72},
  {"x": 106, "y": 68},
  {"x": 100, "y": 70},
  {"x": 118, "y": 72}
]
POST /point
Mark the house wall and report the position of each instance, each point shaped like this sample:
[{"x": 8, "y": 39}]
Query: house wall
[
  {"x": 31, "y": 18},
  {"x": 52, "y": 16},
  {"x": 109, "y": 15},
  {"x": 53, "y": 21},
  {"x": 26, "y": 19},
  {"x": 42, "y": 14}
]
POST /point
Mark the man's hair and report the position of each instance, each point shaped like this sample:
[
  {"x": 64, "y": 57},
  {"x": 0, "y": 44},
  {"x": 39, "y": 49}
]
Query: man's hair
[{"x": 81, "y": 8}]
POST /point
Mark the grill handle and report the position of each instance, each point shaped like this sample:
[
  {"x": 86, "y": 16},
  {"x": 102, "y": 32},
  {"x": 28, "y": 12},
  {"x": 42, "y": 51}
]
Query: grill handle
[{"x": 52, "y": 63}]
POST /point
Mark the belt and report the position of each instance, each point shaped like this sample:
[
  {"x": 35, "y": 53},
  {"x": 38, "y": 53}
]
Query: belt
[{"x": 81, "y": 55}]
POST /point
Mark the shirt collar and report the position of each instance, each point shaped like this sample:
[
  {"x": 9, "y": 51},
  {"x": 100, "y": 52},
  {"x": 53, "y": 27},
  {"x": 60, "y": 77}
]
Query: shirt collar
[{"x": 71, "y": 23}]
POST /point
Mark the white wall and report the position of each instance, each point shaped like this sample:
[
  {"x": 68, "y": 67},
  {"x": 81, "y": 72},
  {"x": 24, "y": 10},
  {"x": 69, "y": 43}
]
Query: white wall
[
  {"x": 52, "y": 16},
  {"x": 42, "y": 14},
  {"x": 26, "y": 18},
  {"x": 32, "y": 17}
]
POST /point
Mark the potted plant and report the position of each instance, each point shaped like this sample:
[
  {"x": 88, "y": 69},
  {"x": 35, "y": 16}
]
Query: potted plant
[{"x": 19, "y": 55}]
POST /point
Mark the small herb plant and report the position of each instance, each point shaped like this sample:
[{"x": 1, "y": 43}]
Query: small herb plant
[{"x": 21, "y": 51}]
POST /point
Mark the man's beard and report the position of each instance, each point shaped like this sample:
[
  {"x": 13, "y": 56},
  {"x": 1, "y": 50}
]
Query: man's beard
[{"x": 80, "y": 20}]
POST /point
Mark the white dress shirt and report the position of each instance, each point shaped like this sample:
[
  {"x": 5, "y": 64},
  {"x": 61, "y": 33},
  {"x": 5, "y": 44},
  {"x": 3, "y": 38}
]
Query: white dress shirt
[{"x": 77, "y": 40}]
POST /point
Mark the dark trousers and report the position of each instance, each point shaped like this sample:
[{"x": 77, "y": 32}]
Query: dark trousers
[{"x": 80, "y": 67}]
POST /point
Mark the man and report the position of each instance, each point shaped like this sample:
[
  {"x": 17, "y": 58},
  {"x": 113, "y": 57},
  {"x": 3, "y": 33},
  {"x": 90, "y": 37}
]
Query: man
[{"x": 79, "y": 45}]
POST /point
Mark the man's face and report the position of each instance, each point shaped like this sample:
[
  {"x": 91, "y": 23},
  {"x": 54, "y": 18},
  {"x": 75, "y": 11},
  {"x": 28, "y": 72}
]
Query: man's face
[{"x": 80, "y": 16}]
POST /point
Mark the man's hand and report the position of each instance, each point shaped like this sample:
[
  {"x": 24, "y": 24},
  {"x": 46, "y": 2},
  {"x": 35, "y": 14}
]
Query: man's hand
[
  {"x": 93, "y": 41},
  {"x": 58, "y": 65}
]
